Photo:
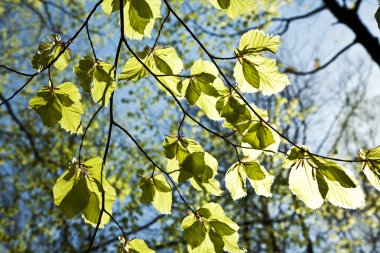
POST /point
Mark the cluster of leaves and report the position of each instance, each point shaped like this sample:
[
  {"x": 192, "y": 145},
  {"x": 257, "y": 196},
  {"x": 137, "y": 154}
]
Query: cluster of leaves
[
  {"x": 188, "y": 161},
  {"x": 83, "y": 188},
  {"x": 210, "y": 230},
  {"x": 80, "y": 189}
]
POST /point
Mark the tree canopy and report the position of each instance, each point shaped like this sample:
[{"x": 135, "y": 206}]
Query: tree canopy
[{"x": 185, "y": 119}]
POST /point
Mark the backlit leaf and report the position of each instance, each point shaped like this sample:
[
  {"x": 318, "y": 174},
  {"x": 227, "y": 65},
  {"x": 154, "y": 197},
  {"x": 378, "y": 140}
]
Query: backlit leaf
[
  {"x": 204, "y": 88},
  {"x": 133, "y": 245},
  {"x": 79, "y": 190},
  {"x": 313, "y": 178},
  {"x": 210, "y": 231},
  {"x": 96, "y": 76},
  {"x": 237, "y": 114},
  {"x": 71, "y": 193},
  {"x": 256, "y": 41},
  {"x": 257, "y": 73},
  {"x": 258, "y": 177},
  {"x": 161, "y": 61},
  {"x": 48, "y": 51},
  {"x": 61, "y": 105},
  {"x": 253, "y": 72},
  {"x": 371, "y": 165},
  {"x": 234, "y": 8},
  {"x": 139, "y": 15},
  {"x": 91, "y": 214},
  {"x": 259, "y": 136},
  {"x": 157, "y": 190}
]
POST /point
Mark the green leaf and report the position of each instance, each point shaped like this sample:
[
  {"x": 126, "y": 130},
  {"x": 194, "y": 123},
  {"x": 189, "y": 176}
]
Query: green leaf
[
  {"x": 251, "y": 74},
  {"x": 103, "y": 83},
  {"x": 377, "y": 17},
  {"x": 237, "y": 114},
  {"x": 180, "y": 148},
  {"x": 139, "y": 15},
  {"x": 110, "y": 6},
  {"x": 224, "y": 4},
  {"x": 204, "y": 88},
  {"x": 313, "y": 178},
  {"x": 94, "y": 180},
  {"x": 200, "y": 168},
  {"x": 322, "y": 184},
  {"x": 96, "y": 76},
  {"x": 71, "y": 193},
  {"x": 193, "y": 165},
  {"x": 85, "y": 72},
  {"x": 262, "y": 187},
  {"x": 221, "y": 228},
  {"x": 164, "y": 61},
  {"x": 59, "y": 104},
  {"x": 333, "y": 172},
  {"x": 257, "y": 73},
  {"x": 48, "y": 51},
  {"x": 259, "y": 136},
  {"x": 236, "y": 181},
  {"x": 238, "y": 173},
  {"x": 133, "y": 245},
  {"x": 234, "y": 8},
  {"x": 194, "y": 234},
  {"x": 272, "y": 149},
  {"x": 304, "y": 185},
  {"x": 256, "y": 41},
  {"x": 231, "y": 109},
  {"x": 371, "y": 165},
  {"x": 157, "y": 190},
  {"x": 254, "y": 72},
  {"x": 253, "y": 170},
  {"x": 133, "y": 70},
  {"x": 210, "y": 231},
  {"x": 78, "y": 190}
]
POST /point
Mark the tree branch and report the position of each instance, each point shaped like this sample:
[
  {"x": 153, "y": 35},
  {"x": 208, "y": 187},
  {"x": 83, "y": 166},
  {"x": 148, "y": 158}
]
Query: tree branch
[
  {"x": 351, "y": 19},
  {"x": 339, "y": 53}
]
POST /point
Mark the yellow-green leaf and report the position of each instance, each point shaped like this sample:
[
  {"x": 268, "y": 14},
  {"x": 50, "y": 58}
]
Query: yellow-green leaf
[
  {"x": 313, "y": 178},
  {"x": 204, "y": 88},
  {"x": 371, "y": 165},
  {"x": 234, "y": 8},
  {"x": 210, "y": 231},
  {"x": 59, "y": 104},
  {"x": 157, "y": 190},
  {"x": 48, "y": 51},
  {"x": 96, "y": 76}
]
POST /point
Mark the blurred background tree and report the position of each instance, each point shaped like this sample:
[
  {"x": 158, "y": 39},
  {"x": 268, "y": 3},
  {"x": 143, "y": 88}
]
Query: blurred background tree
[{"x": 331, "y": 54}]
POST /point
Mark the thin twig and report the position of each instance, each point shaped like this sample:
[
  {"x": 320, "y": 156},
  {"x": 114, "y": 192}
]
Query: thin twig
[
  {"x": 159, "y": 31},
  {"x": 114, "y": 220},
  {"x": 340, "y": 52},
  {"x": 180, "y": 125},
  {"x": 85, "y": 132},
  {"x": 90, "y": 40},
  {"x": 156, "y": 165},
  {"x": 16, "y": 71}
]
